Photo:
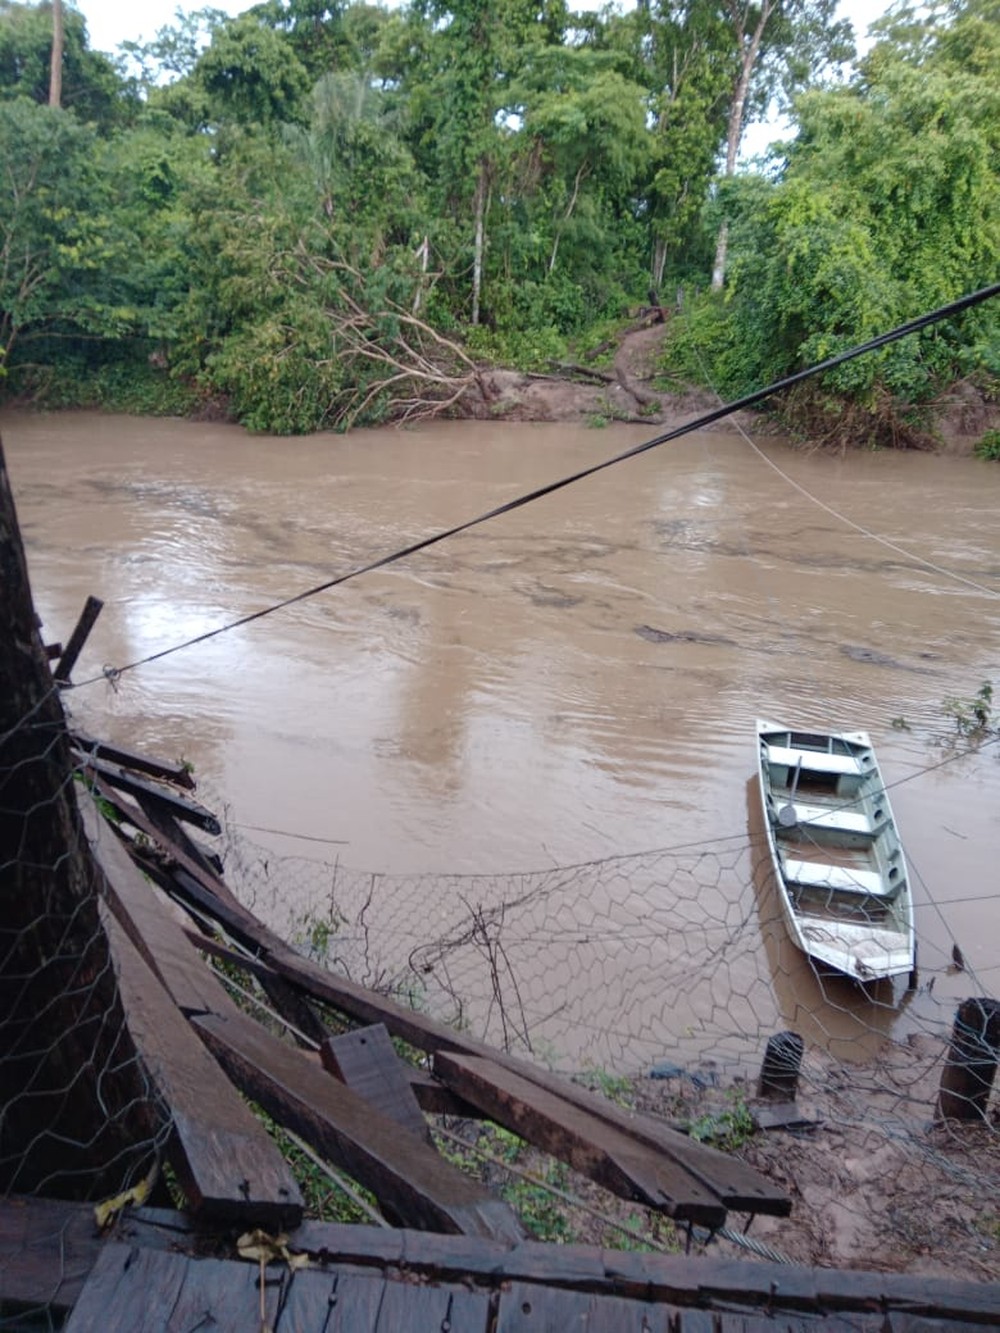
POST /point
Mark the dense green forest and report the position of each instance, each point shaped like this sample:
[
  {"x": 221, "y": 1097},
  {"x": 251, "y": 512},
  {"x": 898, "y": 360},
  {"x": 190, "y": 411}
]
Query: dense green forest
[{"x": 317, "y": 215}]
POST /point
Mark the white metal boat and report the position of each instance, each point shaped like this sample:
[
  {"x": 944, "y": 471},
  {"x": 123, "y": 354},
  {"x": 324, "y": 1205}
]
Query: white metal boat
[{"x": 839, "y": 863}]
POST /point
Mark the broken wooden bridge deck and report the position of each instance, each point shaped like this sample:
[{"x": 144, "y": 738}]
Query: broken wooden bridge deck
[{"x": 455, "y": 1256}]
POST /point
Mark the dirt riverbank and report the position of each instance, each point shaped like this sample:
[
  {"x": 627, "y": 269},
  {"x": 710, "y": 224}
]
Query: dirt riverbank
[{"x": 632, "y": 389}]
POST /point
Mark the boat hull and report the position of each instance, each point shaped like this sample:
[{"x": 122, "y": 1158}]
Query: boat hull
[{"x": 838, "y": 862}]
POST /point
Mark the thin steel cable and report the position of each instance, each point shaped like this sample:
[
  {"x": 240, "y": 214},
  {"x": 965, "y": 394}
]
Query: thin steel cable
[{"x": 550, "y": 488}]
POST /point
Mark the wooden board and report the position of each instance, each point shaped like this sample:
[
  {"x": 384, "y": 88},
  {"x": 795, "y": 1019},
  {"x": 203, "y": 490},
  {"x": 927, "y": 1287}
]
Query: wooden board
[
  {"x": 737, "y": 1185},
  {"x": 114, "y": 775},
  {"x": 367, "y": 1063},
  {"x": 228, "y": 1166},
  {"x": 527, "y": 1308},
  {"x": 431, "y": 1094},
  {"x": 411, "y": 1181},
  {"x": 148, "y": 923},
  {"x": 166, "y": 769},
  {"x": 589, "y": 1145},
  {"x": 134, "y": 1289},
  {"x": 47, "y": 1249},
  {"x": 43, "y": 1242}
]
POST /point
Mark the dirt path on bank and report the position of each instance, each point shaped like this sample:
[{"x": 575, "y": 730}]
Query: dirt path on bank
[
  {"x": 632, "y": 390},
  {"x": 627, "y": 391}
]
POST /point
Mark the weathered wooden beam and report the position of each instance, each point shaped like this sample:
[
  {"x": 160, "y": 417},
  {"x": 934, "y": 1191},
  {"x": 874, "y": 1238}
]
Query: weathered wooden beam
[
  {"x": 233, "y": 1297},
  {"x": 589, "y": 1145},
  {"x": 47, "y": 1249},
  {"x": 365, "y": 1060},
  {"x": 147, "y": 920},
  {"x": 737, "y": 1185},
  {"x": 170, "y": 771},
  {"x": 44, "y": 1243},
  {"x": 779, "y": 1072},
  {"x": 179, "y": 807},
  {"x": 971, "y": 1066},
  {"x": 211, "y": 885},
  {"x": 91, "y": 610},
  {"x": 228, "y": 1166},
  {"x": 431, "y": 1094},
  {"x": 412, "y": 1183}
]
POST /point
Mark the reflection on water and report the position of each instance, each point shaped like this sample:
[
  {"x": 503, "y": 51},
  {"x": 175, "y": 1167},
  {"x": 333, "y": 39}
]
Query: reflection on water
[{"x": 569, "y": 684}]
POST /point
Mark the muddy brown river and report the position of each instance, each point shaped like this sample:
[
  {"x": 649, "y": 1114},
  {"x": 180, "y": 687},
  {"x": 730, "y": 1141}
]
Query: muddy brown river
[{"x": 511, "y": 774}]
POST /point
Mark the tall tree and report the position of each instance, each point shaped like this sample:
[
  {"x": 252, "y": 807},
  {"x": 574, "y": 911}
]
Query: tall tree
[
  {"x": 58, "y": 41},
  {"x": 780, "y": 47},
  {"x": 89, "y": 85}
]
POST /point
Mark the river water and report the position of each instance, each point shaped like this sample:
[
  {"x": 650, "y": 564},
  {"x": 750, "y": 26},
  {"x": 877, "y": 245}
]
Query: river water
[{"x": 533, "y": 742}]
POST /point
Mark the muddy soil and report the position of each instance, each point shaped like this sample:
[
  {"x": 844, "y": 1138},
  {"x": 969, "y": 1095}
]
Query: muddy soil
[
  {"x": 875, "y": 1182},
  {"x": 633, "y": 390}
]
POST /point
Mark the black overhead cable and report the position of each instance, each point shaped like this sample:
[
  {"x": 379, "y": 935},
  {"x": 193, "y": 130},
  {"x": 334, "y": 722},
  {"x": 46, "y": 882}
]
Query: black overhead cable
[{"x": 707, "y": 419}]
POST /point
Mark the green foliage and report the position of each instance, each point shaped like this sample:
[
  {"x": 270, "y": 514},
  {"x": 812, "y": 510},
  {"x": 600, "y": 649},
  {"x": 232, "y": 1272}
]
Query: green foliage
[
  {"x": 128, "y": 385},
  {"x": 612, "y": 1086},
  {"x": 888, "y": 206},
  {"x": 93, "y": 90},
  {"x": 532, "y": 348},
  {"x": 728, "y": 1128},
  {"x": 988, "y": 446},
  {"x": 279, "y": 206},
  {"x": 973, "y": 717},
  {"x": 250, "y": 74}
]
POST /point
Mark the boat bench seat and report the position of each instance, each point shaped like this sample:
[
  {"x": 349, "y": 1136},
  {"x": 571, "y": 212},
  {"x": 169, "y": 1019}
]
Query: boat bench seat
[
  {"x": 842, "y": 879},
  {"x": 815, "y": 761},
  {"x": 822, "y": 816}
]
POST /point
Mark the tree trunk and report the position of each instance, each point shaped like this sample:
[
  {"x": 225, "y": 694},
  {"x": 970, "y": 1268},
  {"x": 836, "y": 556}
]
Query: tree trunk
[
  {"x": 477, "y": 257},
  {"x": 74, "y": 1109},
  {"x": 55, "y": 69},
  {"x": 659, "y": 261},
  {"x": 749, "y": 51}
]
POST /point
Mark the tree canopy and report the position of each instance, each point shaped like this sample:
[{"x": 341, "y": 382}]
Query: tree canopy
[{"x": 325, "y": 214}]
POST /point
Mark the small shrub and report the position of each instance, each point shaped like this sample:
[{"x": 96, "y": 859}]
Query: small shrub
[
  {"x": 728, "y": 1128},
  {"x": 988, "y": 447},
  {"x": 972, "y": 716}
]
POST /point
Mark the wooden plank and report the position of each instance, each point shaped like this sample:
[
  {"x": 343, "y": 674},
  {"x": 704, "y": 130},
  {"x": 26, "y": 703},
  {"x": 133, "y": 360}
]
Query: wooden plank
[
  {"x": 333, "y": 1302},
  {"x": 525, "y": 1308},
  {"x": 590, "y": 1146},
  {"x": 172, "y": 832},
  {"x": 214, "y": 890},
  {"x": 179, "y": 774},
  {"x": 229, "y": 1168},
  {"x": 57, "y": 1240},
  {"x": 737, "y": 1185},
  {"x": 134, "y": 1288},
  {"x": 146, "y": 920},
  {"x": 113, "y": 775},
  {"x": 431, "y": 1094},
  {"x": 91, "y": 610},
  {"x": 366, "y": 1062},
  {"x": 411, "y": 1181},
  {"x": 47, "y": 1249},
  {"x": 426, "y": 1309}
]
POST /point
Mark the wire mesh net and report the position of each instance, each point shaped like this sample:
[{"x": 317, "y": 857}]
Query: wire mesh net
[
  {"x": 672, "y": 969},
  {"x": 80, "y": 1118}
]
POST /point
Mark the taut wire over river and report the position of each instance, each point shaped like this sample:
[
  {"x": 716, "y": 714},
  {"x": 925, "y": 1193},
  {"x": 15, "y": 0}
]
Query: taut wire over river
[{"x": 511, "y": 775}]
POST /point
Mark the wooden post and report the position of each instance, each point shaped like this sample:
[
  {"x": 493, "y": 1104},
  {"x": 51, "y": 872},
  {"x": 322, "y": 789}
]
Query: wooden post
[
  {"x": 972, "y": 1061},
  {"x": 92, "y": 609},
  {"x": 72, "y": 1099},
  {"x": 779, "y": 1073}
]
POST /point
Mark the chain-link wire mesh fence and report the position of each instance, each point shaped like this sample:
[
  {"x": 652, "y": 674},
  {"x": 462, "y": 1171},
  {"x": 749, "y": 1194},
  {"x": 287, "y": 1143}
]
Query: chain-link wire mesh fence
[
  {"x": 79, "y": 1118},
  {"x": 669, "y": 971}
]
